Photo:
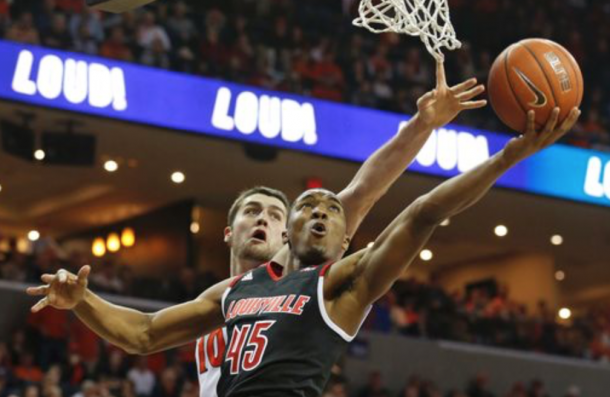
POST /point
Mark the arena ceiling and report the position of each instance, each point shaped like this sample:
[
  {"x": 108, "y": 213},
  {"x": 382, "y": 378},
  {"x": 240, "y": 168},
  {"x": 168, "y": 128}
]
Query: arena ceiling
[{"x": 60, "y": 200}]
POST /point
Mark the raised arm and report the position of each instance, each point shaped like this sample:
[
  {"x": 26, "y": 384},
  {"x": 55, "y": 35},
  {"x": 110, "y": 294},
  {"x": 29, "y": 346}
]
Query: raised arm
[
  {"x": 134, "y": 331},
  {"x": 374, "y": 271},
  {"x": 435, "y": 109}
]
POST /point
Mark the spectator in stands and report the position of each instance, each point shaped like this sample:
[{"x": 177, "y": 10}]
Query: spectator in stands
[
  {"x": 112, "y": 370},
  {"x": 4, "y": 382},
  {"x": 180, "y": 26},
  {"x": 537, "y": 389},
  {"x": 90, "y": 18},
  {"x": 151, "y": 36},
  {"x": 27, "y": 371},
  {"x": 84, "y": 42},
  {"x": 478, "y": 387},
  {"x": 184, "y": 36},
  {"x": 52, "y": 328},
  {"x": 57, "y": 36},
  {"x": 168, "y": 385},
  {"x": 374, "y": 387},
  {"x": 23, "y": 30},
  {"x": 44, "y": 13},
  {"x": 143, "y": 379},
  {"x": 573, "y": 391},
  {"x": 518, "y": 390},
  {"x": 75, "y": 372},
  {"x": 115, "y": 47}
]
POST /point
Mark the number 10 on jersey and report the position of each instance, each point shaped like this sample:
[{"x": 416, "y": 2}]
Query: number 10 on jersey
[{"x": 247, "y": 347}]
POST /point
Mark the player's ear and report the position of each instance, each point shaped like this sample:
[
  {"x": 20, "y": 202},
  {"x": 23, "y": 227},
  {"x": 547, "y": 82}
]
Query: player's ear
[
  {"x": 228, "y": 234},
  {"x": 285, "y": 239},
  {"x": 345, "y": 244}
]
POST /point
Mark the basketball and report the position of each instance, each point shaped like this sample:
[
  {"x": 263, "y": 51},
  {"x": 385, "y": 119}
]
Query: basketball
[{"x": 534, "y": 74}]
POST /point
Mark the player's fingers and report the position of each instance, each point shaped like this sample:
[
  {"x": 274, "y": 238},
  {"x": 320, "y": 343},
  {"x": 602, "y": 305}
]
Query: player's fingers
[
  {"x": 566, "y": 125},
  {"x": 36, "y": 291},
  {"x": 62, "y": 275},
  {"x": 47, "y": 278},
  {"x": 463, "y": 86},
  {"x": 41, "y": 304},
  {"x": 83, "y": 273},
  {"x": 552, "y": 121},
  {"x": 441, "y": 80},
  {"x": 473, "y": 104},
  {"x": 531, "y": 122},
  {"x": 468, "y": 95},
  {"x": 572, "y": 118}
]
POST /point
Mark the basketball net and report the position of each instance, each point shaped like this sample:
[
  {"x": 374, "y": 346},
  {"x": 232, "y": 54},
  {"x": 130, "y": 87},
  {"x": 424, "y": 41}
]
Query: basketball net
[{"x": 428, "y": 19}]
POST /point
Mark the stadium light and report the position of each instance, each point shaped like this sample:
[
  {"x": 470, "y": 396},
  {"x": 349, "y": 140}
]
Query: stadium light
[
  {"x": 178, "y": 177},
  {"x": 128, "y": 237},
  {"x": 501, "y": 230},
  {"x": 426, "y": 255},
  {"x": 111, "y": 166},
  {"x": 560, "y": 275},
  {"x": 565, "y": 313},
  {"x": 556, "y": 239},
  {"x": 98, "y": 248},
  {"x": 113, "y": 243},
  {"x": 33, "y": 235},
  {"x": 195, "y": 227},
  {"x": 39, "y": 154}
]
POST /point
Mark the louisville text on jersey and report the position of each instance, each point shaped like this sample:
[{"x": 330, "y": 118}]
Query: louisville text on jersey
[{"x": 288, "y": 304}]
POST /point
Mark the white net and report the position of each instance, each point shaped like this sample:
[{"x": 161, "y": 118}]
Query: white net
[{"x": 428, "y": 19}]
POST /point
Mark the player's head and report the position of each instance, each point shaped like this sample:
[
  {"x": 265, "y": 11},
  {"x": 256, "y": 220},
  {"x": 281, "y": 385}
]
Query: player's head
[
  {"x": 256, "y": 223},
  {"x": 316, "y": 227}
]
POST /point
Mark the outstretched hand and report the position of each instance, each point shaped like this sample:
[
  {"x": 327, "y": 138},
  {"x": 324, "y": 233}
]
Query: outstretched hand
[
  {"x": 533, "y": 141},
  {"x": 63, "y": 290},
  {"x": 441, "y": 105}
]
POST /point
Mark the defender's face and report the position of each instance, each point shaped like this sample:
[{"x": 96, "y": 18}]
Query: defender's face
[
  {"x": 256, "y": 233},
  {"x": 316, "y": 227}
]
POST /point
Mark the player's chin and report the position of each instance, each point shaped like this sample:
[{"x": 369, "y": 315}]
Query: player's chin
[
  {"x": 257, "y": 252},
  {"x": 314, "y": 255}
]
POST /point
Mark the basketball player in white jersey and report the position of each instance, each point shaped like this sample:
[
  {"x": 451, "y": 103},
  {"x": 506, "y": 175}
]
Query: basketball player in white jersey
[{"x": 257, "y": 221}]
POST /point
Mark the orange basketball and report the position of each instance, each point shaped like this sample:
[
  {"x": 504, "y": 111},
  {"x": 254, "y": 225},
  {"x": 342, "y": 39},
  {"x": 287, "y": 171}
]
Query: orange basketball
[{"x": 534, "y": 74}]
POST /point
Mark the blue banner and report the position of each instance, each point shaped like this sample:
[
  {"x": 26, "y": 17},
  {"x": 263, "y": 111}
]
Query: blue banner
[{"x": 139, "y": 94}]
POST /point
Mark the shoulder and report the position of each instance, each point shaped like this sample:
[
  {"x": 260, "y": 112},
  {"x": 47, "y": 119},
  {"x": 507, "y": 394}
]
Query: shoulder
[
  {"x": 215, "y": 292},
  {"x": 342, "y": 274}
]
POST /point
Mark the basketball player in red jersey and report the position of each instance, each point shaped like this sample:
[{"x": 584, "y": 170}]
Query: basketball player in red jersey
[{"x": 256, "y": 222}]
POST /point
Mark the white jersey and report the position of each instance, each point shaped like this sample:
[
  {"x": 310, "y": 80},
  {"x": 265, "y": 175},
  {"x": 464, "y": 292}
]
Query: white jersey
[{"x": 210, "y": 352}]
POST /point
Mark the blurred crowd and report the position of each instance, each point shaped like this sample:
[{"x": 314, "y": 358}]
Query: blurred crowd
[
  {"x": 54, "y": 355},
  {"x": 482, "y": 313},
  {"x": 116, "y": 278},
  {"x": 310, "y": 47}
]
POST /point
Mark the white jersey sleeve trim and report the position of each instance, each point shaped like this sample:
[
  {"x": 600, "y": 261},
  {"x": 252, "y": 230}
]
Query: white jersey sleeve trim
[{"x": 326, "y": 317}]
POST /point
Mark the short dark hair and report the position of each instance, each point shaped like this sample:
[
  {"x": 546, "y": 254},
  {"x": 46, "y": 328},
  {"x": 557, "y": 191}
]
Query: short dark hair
[{"x": 267, "y": 191}]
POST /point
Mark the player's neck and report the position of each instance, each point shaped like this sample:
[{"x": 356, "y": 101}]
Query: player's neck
[
  {"x": 242, "y": 265},
  {"x": 293, "y": 264}
]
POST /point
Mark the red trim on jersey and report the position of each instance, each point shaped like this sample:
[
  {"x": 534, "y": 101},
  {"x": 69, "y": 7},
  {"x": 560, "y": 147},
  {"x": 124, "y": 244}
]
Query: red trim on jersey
[
  {"x": 325, "y": 269},
  {"x": 275, "y": 271},
  {"x": 235, "y": 280}
]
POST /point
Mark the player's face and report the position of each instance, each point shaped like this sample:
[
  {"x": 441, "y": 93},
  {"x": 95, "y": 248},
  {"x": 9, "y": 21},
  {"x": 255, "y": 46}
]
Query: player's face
[
  {"x": 316, "y": 228},
  {"x": 256, "y": 234}
]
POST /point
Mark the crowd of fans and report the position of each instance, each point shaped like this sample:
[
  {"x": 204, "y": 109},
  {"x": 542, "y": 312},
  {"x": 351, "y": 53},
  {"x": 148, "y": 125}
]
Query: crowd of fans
[
  {"x": 47, "y": 257},
  {"x": 482, "y": 314},
  {"x": 310, "y": 47},
  {"x": 485, "y": 314},
  {"x": 54, "y": 355}
]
